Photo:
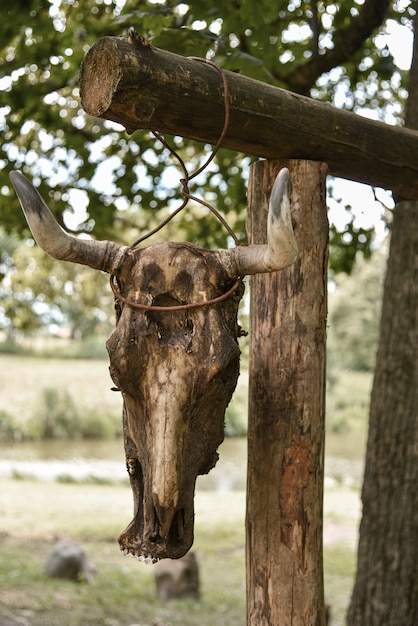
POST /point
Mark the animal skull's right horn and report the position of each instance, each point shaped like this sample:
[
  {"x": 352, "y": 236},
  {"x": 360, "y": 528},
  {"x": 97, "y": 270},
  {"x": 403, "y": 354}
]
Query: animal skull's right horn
[
  {"x": 281, "y": 249},
  {"x": 102, "y": 255}
]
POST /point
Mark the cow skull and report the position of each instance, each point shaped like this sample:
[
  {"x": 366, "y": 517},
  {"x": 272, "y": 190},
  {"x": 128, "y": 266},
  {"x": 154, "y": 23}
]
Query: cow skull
[{"x": 176, "y": 369}]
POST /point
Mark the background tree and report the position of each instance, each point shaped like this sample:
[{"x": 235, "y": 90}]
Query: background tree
[
  {"x": 354, "y": 308},
  {"x": 335, "y": 52},
  {"x": 39, "y": 292},
  {"x": 98, "y": 180},
  {"x": 386, "y": 586}
]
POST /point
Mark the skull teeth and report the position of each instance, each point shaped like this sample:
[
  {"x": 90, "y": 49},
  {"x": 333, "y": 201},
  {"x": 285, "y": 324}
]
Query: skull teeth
[
  {"x": 126, "y": 552},
  {"x": 147, "y": 559}
]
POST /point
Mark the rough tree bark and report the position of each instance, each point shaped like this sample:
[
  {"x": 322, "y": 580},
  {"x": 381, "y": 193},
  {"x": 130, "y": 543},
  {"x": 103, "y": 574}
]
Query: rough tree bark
[
  {"x": 386, "y": 586},
  {"x": 140, "y": 86},
  {"x": 286, "y": 409}
]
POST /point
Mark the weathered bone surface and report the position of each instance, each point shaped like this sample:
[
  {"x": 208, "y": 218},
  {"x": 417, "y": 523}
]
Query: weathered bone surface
[{"x": 176, "y": 370}]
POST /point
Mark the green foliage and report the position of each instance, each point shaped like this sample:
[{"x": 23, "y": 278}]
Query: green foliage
[
  {"x": 93, "y": 347},
  {"x": 345, "y": 246},
  {"x": 86, "y": 382},
  {"x": 348, "y": 398},
  {"x": 354, "y": 314},
  {"x": 237, "y": 410},
  {"x": 10, "y": 346},
  {"x": 99, "y": 425},
  {"x": 8, "y": 245},
  {"x": 322, "y": 49},
  {"x": 41, "y": 291},
  {"x": 236, "y": 421},
  {"x": 9, "y": 429},
  {"x": 98, "y": 180},
  {"x": 58, "y": 416},
  {"x": 68, "y": 479}
]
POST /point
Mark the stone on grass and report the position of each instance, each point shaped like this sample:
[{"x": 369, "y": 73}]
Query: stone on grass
[
  {"x": 178, "y": 578},
  {"x": 68, "y": 560}
]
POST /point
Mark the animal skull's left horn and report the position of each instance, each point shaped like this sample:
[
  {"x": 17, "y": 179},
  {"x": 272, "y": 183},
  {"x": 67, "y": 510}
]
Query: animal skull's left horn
[{"x": 102, "y": 255}]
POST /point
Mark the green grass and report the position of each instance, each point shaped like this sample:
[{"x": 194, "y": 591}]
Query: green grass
[
  {"x": 340, "y": 569},
  {"x": 24, "y": 380},
  {"x": 122, "y": 591},
  {"x": 34, "y": 516}
]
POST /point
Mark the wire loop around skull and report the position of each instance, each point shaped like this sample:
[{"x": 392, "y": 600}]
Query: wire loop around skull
[{"x": 179, "y": 307}]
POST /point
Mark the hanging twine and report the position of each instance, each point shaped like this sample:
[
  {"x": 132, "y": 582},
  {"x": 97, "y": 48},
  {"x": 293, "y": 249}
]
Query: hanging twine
[{"x": 185, "y": 180}]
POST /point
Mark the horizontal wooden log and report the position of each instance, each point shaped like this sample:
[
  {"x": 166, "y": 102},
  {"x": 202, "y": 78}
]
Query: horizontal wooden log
[{"x": 131, "y": 82}]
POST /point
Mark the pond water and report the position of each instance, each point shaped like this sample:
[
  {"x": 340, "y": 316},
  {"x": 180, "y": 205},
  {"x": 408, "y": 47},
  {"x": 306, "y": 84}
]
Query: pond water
[{"x": 104, "y": 460}]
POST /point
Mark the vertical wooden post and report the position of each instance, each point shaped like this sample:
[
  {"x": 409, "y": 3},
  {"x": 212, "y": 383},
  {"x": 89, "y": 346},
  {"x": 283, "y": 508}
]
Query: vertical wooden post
[{"x": 286, "y": 409}]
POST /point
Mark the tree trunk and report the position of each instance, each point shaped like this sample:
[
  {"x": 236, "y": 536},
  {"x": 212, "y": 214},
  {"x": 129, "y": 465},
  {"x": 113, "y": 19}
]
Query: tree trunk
[
  {"x": 131, "y": 82},
  {"x": 286, "y": 409},
  {"x": 386, "y": 587}
]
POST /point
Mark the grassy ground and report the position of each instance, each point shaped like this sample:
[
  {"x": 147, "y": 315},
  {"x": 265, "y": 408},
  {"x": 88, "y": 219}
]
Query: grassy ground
[
  {"x": 35, "y": 515},
  {"x": 23, "y": 379}
]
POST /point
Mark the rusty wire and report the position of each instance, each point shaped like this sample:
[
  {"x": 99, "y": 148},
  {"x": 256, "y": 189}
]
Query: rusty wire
[
  {"x": 188, "y": 196},
  {"x": 188, "y": 177},
  {"x": 176, "y": 307}
]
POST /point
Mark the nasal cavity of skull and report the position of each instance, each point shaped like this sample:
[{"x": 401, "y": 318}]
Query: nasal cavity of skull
[
  {"x": 172, "y": 532},
  {"x": 172, "y": 327}
]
